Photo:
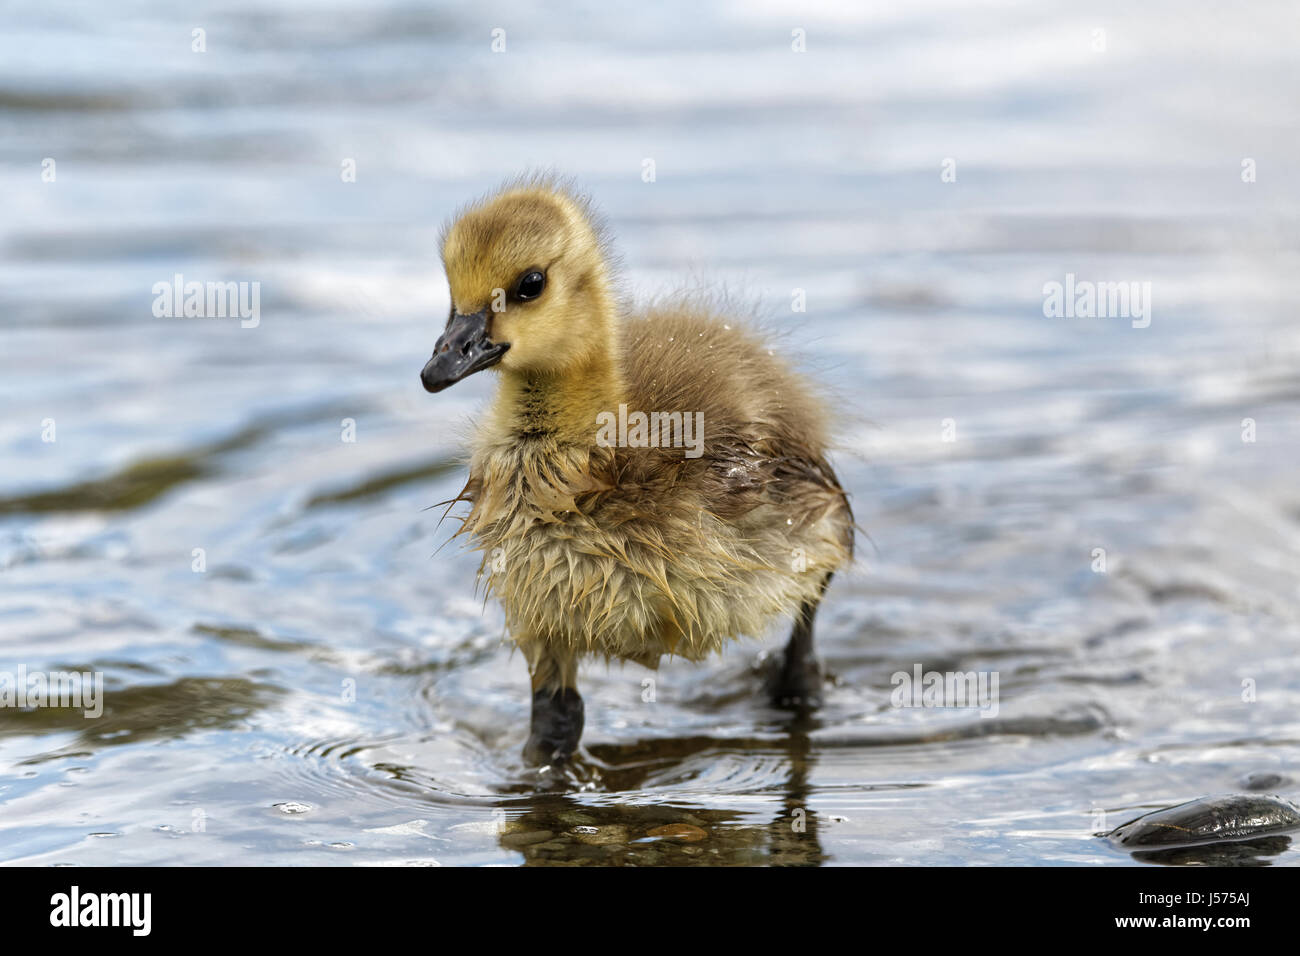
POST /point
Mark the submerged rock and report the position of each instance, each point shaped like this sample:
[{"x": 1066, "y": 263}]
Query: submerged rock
[
  {"x": 525, "y": 838},
  {"x": 1228, "y": 817},
  {"x": 679, "y": 831},
  {"x": 1265, "y": 780}
]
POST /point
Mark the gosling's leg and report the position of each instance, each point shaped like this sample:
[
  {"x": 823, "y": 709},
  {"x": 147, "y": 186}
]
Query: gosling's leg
[
  {"x": 557, "y": 718},
  {"x": 798, "y": 682}
]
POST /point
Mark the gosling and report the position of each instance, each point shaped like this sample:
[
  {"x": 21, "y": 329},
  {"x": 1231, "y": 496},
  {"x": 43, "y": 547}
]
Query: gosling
[{"x": 644, "y": 483}]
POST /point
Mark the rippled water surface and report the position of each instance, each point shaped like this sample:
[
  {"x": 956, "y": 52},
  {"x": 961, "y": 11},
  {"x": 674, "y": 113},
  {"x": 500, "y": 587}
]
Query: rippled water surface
[{"x": 331, "y": 690}]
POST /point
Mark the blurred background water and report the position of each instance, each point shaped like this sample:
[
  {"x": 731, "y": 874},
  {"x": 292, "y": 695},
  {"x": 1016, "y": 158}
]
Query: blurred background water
[{"x": 331, "y": 691}]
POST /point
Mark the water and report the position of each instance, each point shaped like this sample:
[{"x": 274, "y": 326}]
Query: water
[{"x": 329, "y": 690}]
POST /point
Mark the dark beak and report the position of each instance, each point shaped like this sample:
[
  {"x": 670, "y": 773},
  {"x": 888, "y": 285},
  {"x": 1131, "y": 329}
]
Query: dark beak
[{"x": 462, "y": 349}]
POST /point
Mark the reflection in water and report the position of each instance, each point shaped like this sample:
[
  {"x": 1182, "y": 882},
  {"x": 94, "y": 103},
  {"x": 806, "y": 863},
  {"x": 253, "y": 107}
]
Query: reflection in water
[
  {"x": 556, "y": 829},
  {"x": 132, "y": 487},
  {"x": 142, "y": 713},
  {"x": 386, "y": 481},
  {"x": 137, "y": 484},
  {"x": 1241, "y": 853},
  {"x": 793, "y": 835}
]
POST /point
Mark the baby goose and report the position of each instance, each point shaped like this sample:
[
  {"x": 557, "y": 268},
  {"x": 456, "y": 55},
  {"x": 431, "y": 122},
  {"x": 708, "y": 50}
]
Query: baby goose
[{"x": 608, "y": 526}]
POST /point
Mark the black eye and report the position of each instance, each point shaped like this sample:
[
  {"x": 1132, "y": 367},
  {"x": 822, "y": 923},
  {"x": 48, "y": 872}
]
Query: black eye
[{"x": 531, "y": 284}]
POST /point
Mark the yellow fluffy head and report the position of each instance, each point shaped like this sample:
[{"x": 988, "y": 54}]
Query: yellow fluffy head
[{"x": 493, "y": 253}]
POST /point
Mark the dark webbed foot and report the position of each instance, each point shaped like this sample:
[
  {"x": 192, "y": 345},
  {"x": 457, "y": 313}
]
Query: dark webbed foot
[
  {"x": 798, "y": 681},
  {"x": 556, "y": 726}
]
